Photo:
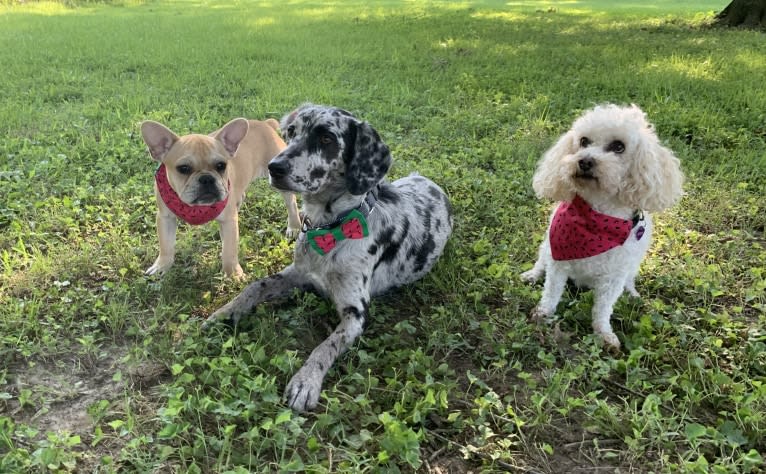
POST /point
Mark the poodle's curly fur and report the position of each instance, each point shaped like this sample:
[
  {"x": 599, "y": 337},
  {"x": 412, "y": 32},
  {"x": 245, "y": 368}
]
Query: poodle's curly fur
[{"x": 611, "y": 158}]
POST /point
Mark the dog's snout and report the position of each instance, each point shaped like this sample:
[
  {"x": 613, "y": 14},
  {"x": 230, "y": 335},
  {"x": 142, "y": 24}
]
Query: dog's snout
[
  {"x": 586, "y": 164},
  {"x": 278, "y": 169}
]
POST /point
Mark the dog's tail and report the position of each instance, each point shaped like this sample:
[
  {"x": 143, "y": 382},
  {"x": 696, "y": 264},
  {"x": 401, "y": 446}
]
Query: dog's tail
[{"x": 273, "y": 124}]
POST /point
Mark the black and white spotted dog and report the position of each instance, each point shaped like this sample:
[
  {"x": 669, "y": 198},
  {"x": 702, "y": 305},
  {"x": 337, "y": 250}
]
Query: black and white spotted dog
[{"x": 361, "y": 236}]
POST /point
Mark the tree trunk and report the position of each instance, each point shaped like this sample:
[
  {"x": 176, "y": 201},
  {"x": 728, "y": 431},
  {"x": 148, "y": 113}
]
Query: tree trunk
[{"x": 743, "y": 13}]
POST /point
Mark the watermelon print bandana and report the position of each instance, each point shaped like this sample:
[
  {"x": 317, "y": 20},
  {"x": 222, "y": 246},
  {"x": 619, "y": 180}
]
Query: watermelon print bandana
[
  {"x": 194, "y": 215},
  {"x": 577, "y": 231},
  {"x": 353, "y": 226}
]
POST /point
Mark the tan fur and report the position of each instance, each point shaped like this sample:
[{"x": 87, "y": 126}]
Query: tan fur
[{"x": 246, "y": 146}]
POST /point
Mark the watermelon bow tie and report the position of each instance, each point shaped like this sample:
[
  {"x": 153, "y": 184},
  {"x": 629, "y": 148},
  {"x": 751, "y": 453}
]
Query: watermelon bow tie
[{"x": 353, "y": 226}]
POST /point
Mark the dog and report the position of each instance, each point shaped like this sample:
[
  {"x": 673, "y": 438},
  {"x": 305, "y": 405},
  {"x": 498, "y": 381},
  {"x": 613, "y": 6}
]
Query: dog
[
  {"x": 204, "y": 177},
  {"x": 609, "y": 171},
  {"x": 361, "y": 235}
]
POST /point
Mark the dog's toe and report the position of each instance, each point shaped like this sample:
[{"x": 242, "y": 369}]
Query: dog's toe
[
  {"x": 225, "y": 320},
  {"x": 611, "y": 342},
  {"x": 530, "y": 276},
  {"x": 292, "y": 233},
  {"x": 159, "y": 267},
  {"x": 302, "y": 393},
  {"x": 539, "y": 316}
]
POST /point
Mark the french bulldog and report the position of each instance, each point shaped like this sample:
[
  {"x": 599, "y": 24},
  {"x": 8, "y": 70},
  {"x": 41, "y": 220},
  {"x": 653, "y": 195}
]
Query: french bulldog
[{"x": 204, "y": 177}]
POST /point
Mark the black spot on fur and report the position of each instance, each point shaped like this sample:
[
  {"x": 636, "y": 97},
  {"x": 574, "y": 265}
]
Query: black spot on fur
[
  {"x": 391, "y": 247},
  {"x": 422, "y": 252},
  {"x": 317, "y": 173},
  {"x": 387, "y": 194},
  {"x": 366, "y": 309},
  {"x": 358, "y": 315},
  {"x": 373, "y": 249},
  {"x": 349, "y": 142},
  {"x": 425, "y": 213}
]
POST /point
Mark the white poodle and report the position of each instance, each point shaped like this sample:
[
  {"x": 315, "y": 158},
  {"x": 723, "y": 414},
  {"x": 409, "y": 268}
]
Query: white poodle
[{"x": 609, "y": 171}]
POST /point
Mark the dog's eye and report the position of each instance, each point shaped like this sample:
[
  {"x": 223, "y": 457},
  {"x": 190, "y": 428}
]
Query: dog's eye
[
  {"x": 290, "y": 131},
  {"x": 616, "y": 147},
  {"x": 220, "y": 166},
  {"x": 325, "y": 139},
  {"x": 184, "y": 169},
  {"x": 585, "y": 142}
]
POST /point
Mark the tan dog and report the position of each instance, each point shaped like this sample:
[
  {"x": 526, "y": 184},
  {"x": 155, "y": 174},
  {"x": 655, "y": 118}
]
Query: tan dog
[{"x": 204, "y": 177}]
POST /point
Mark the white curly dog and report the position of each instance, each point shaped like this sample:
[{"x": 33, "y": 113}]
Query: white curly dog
[{"x": 609, "y": 171}]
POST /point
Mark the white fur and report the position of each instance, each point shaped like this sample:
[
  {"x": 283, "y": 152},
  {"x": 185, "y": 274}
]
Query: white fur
[{"x": 646, "y": 177}]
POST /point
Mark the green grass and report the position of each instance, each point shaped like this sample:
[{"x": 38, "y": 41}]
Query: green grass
[{"x": 105, "y": 370}]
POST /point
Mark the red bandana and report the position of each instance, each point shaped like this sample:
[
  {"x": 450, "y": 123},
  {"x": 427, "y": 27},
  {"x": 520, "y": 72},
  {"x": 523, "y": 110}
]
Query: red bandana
[
  {"x": 194, "y": 215},
  {"x": 577, "y": 231}
]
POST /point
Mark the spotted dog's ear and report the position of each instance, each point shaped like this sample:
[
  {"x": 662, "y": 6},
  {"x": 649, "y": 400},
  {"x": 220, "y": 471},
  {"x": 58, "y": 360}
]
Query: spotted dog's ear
[
  {"x": 284, "y": 124},
  {"x": 366, "y": 157}
]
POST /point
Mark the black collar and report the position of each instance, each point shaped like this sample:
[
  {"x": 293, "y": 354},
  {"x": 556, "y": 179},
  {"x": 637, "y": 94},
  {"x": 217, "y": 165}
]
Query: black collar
[
  {"x": 638, "y": 216},
  {"x": 366, "y": 208}
]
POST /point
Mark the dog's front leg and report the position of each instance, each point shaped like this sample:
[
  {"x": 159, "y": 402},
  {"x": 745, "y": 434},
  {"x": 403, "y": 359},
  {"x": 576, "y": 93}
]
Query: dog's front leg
[
  {"x": 302, "y": 393},
  {"x": 555, "y": 282},
  {"x": 605, "y": 295},
  {"x": 275, "y": 286},
  {"x": 543, "y": 259},
  {"x": 293, "y": 218},
  {"x": 166, "y": 232},
  {"x": 230, "y": 247}
]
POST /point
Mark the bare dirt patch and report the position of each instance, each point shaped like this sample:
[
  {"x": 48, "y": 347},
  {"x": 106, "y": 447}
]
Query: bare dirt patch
[{"x": 54, "y": 396}]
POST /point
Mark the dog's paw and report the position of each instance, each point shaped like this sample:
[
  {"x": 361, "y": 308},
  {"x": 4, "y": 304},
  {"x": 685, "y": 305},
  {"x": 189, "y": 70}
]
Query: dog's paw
[
  {"x": 539, "y": 316},
  {"x": 611, "y": 342},
  {"x": 234, "y": 271},
  {"x": 292, "y": 233},
  {"x": 530, "y": 276},
  {"x": 302, "y": 393},
  {"x": 219, "y": 318},
  {"x": 160, "y": 266}
]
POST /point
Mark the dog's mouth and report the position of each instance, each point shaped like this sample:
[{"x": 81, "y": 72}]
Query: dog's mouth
[
  {"x": 585, "y": 176},
  {"x": 206, "y": 198},
  {"x": 278, "y": 184}
]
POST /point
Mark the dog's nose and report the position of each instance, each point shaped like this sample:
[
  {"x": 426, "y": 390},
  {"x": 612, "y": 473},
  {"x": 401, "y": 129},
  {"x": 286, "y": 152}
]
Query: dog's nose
[
  {"x": 206, "y": 180},
  {"x": 278, "y": 169},
  {"x": 586, "y": 164}
]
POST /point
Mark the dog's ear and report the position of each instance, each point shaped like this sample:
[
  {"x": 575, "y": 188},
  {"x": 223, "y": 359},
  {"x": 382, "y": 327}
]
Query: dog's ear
[
  {"x": 232, "y": 134},
  {"x": 158, "y": 138},
  {"x": 284, "y": 124},
  {"x": 366, "y": 157},
  {"x": 287, "y": 120},
  {"x": 547, "y": 181},
  {"x": 655, "y": 178}
]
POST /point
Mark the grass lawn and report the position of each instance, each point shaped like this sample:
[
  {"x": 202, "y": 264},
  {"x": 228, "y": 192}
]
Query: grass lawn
[{"x": 103, "y": 369}]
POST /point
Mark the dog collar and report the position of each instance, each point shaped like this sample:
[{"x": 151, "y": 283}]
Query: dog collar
[
  {"x": 195, "y": 215},
  {"x": 350, "y": 225},
  {"x": 577, "y": 231}
]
